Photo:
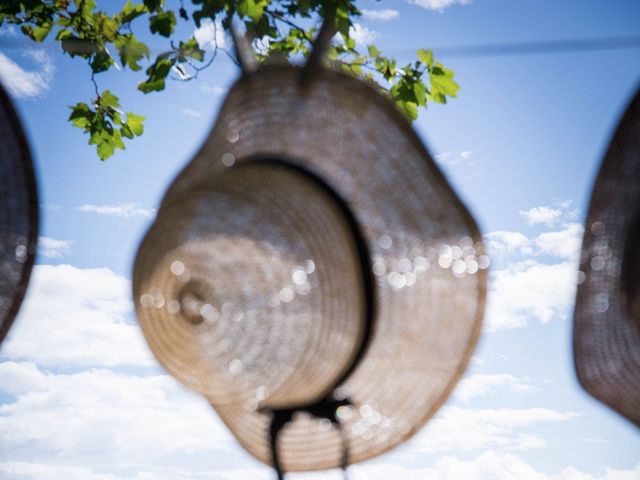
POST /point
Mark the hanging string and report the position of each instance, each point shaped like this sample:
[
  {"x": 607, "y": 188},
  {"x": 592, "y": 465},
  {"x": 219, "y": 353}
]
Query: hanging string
[
  {"x": 538, "y": 47},
  {"x": 452, "y": 51}
]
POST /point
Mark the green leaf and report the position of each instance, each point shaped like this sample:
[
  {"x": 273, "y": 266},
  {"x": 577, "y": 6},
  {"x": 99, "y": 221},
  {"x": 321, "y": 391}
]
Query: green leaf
[
  {"x": 37, "y": 34},
  {"x": 130, "y": 12},
  {"x": 135, "y": 123},
  {"x": 441, "y": 80},
  {"x": 190, "y": 49},
  {"x": 81, "y": 115},
  {"x": 105, "y": 149},
  {"x": 83, "y": 30},
  {"x": 41, "y": 32},
  {"x": 98, "y": 124},
  {"x": 153, "y": 5},
  {"x": 64, "y": 34},
  {"x": 101, "y": 62},
  {"x": 126, "y": 131},
  {"x": 106, "y": 26},
  {"x": 85, "y": 9},
  {"x": 157, "y": 74},
  {"x": 437, "y": 97},
  {"x": 342, "y": 19},
  {"x": 409, "y": 108},
  {"x": 163, "y": 23},
  {"x": 253, "y": 9},
  {"x": 107, "y": 140},
  {"x": 350, "y": 43},
  {"x": 420, "y": 92},
  {"x": 425, "y": 56},
  {"x": 131, "y": 51},
  {"x": 108, "y": 99}
]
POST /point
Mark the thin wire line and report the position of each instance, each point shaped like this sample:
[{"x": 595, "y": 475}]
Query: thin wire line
[
  {"x": 454, "y": 51},
  {"x": 538, "y": 47}
]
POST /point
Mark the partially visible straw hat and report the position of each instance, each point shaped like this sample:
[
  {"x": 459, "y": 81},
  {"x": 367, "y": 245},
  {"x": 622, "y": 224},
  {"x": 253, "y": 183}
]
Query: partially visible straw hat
[
  {"x": 18, "y": 214},
  {"x": 310, "y": 269},
  {"x": 606, "y": 336}
]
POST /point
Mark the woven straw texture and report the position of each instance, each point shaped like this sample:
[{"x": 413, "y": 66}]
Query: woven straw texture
[
  {"x": 18, "y": 214},
  {"x": 426, "y": 256},
  {"x": 270, "y": 267},
  {"x": 606, "y": 334}
]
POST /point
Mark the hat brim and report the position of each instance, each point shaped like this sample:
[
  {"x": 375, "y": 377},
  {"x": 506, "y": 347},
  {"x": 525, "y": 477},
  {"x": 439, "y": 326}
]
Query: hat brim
[
  {"x": 425, "y": 249},
  {"x": 606, "y": 335},
  {"x": 18, "y": 214}
]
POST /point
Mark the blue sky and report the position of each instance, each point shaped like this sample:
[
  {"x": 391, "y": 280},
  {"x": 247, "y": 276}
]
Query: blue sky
[{"x": 82, "y": 398}]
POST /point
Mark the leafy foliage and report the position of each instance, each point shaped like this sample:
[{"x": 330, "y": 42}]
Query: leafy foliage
[
  {"x": 106, "y": 124},
  {"x": 84, "y": 31}
]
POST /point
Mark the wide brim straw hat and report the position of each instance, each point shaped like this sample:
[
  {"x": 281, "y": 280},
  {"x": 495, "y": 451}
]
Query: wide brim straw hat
[
  {"x": 606, "y": 335},
  {"x": 18, "y": 214},
  {"x": 313, "y": 252}
]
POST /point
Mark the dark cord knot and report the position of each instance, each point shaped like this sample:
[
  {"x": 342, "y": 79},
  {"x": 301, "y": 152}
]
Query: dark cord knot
[{"x": 326, "y": 408}]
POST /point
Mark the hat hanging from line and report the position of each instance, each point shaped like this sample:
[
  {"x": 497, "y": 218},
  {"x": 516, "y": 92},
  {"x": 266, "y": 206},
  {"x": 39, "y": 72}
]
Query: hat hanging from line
[
  {"x": 311, "y": 272},
  {"x": 18, "y": 214},
  {"x": 606, "y": 332}
]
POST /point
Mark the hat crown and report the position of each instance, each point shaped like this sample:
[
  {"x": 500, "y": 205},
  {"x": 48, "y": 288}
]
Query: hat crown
[
  {"x": 18, "y": 213},
  {"x": 606, "y": 334},
  {"x": 257, "y": 276},
  {"x": 631, "y": 270}
]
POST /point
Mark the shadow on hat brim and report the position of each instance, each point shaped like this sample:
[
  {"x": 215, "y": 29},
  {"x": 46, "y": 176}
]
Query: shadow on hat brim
[
  {"x": 606, "y": 328},
  {"x": 18, "y": 214}
]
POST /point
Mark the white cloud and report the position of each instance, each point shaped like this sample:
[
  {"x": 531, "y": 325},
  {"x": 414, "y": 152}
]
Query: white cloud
[
  {"x": 215, "y": 89},
  {"x": 461, "y": 164},
  {"x": 380, "y": 15},
  {"x": 465, "y": 429},
  {"x": 482, "y": 384},
  {"x": 454, "y": 157},
  {"x": 60, "y": 421},
  {"x": 13, "y": 470},
  {"x": 27, "y": 83},
  {"x": 564, "y": 243},
  {"x": 505, "y": 242},
  {"x": 190, "y": 112},
  {"x": 53, "y": 248},
  {"x": 541, "y": 215},
  {"x": 99, "y": 417},
  {"x": 564, "y": 204},
  {"x": 490, "y": 465},
  {"x": 362, "y": 35},
  {"x": 52, "y": 207},
  {"x": 121, "y": 210},
  {"x": 438, "y": 5},
  {"x": 8, "y": 30},
  {"x": 527, "y": 291},
  {"x": 593, "y": 440},
  {"x": 77, "y": 317},
  {"x": 210, "y": 35}
]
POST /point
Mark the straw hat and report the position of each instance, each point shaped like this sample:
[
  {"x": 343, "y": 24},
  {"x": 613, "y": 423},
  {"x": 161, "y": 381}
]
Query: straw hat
[
  {"x": 18, "y": 214},
  {"x": 310, "y": 269},
  {"x": 606, "y": 336}
]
